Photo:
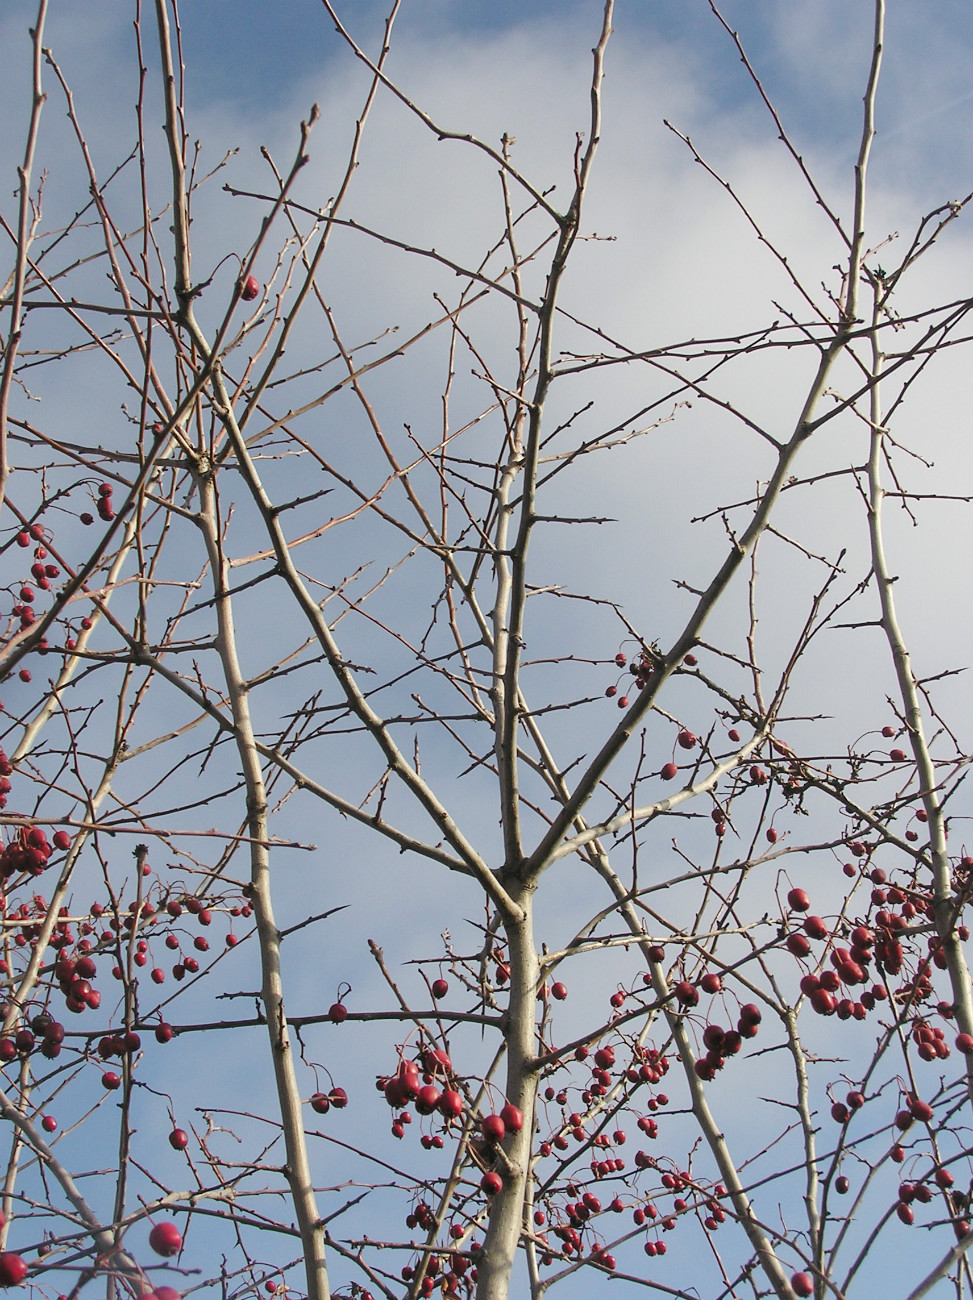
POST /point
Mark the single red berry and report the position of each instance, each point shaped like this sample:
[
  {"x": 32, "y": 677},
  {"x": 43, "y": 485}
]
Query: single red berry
[
  {"x": 491, "y": 1183},
  {"x": 669, "y": 771},
  {"x": 165, "y": 1238},
  {"x": 49, "y": 1124},
  {"x": 428, "y": 1099},
  {"x": 686, "y": 740},
  {"x": 920, "y": 1109},
  {"x": 802, "y": 1284},
  {"x": 110, "y": 1081},
  {"x": 320, "y": 1103},
  {"x": 337, "y": 1012},
  {"x": 512, "y": 1117},
  {"x": 451, "y": 1104},
  {"x": 559, "y": 991},
  {"x": 13, "y": 1269},
  {"x": 179, "y": 1139},
  {"x": 494, "y": 1128},
  {"x": 686, "y": 995},
  {"x": 249, "y": 288},
  {"x": 439, "y": 988}
]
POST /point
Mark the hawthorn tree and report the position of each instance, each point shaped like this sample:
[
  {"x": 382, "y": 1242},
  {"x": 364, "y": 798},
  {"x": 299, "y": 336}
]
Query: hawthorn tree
[{"x": 430, "y": 866}]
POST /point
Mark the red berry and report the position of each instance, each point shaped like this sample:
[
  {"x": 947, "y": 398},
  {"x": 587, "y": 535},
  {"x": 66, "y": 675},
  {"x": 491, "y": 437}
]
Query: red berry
[
  {"x": 165, "y": 1238},
  {"x": 179, "y": 1139},
  {"x": 320, "y": 1103},
  {"x": 920, "y": 1109},
  {"x": 733, "y": 735},
  {"x": 623, "y": 701},
  {"x": 802, "y": 1284},
  {"x": 13, "y": 1269},
  {"x": 494, "y": 1128},
  {"x": 451, "y": 1104},
  {"x": 512, "y": 1117},
  {"x": 669, "y": 771},
  {"x": 798, "y": 900},
  {"x": 49, "y": 1124},
  {"x": 337, "y": 1013},
  {"x": 250, "y": 288},
  {"x": 491, "y": 1183},
  {"x": 62, "y": 840},
  {"x": 428, "y": 1099},
  {"x": 559, "y": 992},
  {"x": 686, "y": 740},
  {"x": 110, "y": 1081},
  {"x": 408, "y": 1079},
  {"x": 685, "y": 994},
  {"x": 439, "y": 988}
]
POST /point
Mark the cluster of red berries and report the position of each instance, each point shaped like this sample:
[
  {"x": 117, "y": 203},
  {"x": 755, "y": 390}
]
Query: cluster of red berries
[
  {"x": 29, "y": 850},
  {"x": 42, "y": 573},
  {"x": 449, "y": 1273},
  {"x": 321, "y": 1102},
  {"x": 410, "y": 1085},
  {"x": 641, "y": 669},
  {"x": 103, "y": 504},
  {"x": 42, "y": 1033}
]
